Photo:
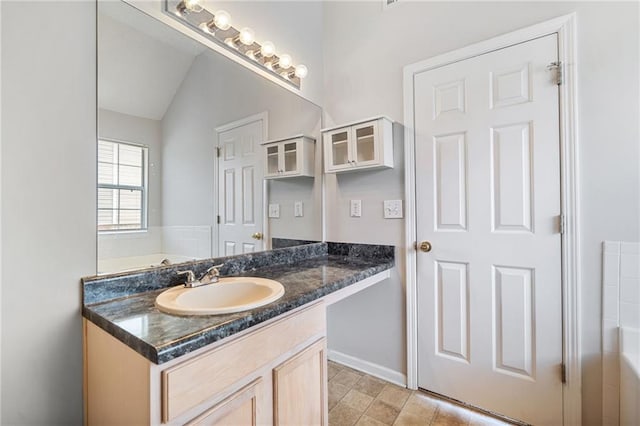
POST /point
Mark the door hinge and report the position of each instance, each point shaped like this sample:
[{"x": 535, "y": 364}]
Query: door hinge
[
  {"x": 563, "y": 372},
  {"x": 558, "y": 68},
  {"x": 218, "y": 219},
  {"x": 562, "y": 224},
  {"x": 218, "y": 154}
]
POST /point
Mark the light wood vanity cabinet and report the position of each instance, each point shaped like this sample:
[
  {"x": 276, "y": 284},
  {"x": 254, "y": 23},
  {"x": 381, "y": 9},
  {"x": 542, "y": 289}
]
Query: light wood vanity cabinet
[
  {"x": 291, "y": 157},
  {"x": 302, "y": 374},
  {"x": 357, "y": 146},
  {"x": 240, "y": 408},
  {"x": 273, "y": 374}
]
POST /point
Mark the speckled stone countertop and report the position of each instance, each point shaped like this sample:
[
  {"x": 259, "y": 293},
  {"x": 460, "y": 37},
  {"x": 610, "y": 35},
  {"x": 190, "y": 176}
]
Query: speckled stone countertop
[{"x": 123, "y": 304}]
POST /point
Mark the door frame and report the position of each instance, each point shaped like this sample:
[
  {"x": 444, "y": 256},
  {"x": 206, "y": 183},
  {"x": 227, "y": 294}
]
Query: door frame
[
  {"x": 565, "y": 28},
  {"x": 264, "y": 117}
]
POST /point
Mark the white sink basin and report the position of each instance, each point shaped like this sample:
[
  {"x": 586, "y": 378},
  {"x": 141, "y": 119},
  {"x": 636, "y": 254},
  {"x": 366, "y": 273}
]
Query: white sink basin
[{"x": 231, "y": 294}]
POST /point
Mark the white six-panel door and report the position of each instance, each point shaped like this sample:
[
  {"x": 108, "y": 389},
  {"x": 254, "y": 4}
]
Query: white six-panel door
[
  {"x": 488, "y": 201},
  {"x": 240, "y": 189}
]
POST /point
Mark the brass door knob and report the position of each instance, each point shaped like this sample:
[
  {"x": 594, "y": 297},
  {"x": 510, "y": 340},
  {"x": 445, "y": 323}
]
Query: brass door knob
[
  {"x": 257, "y": 236},
  {"x": 425, "y": 246}
]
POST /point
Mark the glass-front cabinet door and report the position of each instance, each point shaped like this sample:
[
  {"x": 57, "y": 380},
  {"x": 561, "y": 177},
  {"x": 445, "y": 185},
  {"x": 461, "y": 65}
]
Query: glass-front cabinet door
[
  {"x": 273, "y": 166},
  {"x": 290, "y": 157},
  {"x": 340, "y": 153},
  {"x": 364, "y": 143}
]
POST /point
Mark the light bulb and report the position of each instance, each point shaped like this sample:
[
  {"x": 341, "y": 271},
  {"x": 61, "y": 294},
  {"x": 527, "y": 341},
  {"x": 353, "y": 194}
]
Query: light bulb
[
  {"x": 193, "y": 5},
  {"x": 222, "y": 20},
  {"x": 247, "y": 36},
  {"x": 301, "y": 71},
  {"x": 285, "y": 61},
  {"x": 268, "y": 49}
]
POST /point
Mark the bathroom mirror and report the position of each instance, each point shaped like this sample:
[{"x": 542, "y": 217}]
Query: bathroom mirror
[{"x": 180, "y": 165}]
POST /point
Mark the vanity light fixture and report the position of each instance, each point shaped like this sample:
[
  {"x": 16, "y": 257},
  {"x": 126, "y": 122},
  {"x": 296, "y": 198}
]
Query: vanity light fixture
[{"x": 216, "y": 26}]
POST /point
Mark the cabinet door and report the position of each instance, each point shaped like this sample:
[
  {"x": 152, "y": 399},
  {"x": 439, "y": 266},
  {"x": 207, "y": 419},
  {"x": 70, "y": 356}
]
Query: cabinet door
[
  {"x": 300, "y": 388},
  {"x": 365, "y": 140},
  {"x": 290, "y": 157},
  {"x": 337, "y": 151},
  {"x": 272, "y": 166},
  {"x": 241, "y": 408}
]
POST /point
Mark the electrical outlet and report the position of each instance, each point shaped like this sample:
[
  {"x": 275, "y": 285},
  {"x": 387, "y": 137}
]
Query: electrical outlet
[
  {"x": 393, "y": 209},
  {"x": 297, "y": 209},
  {"x": 356, "y": 208},
  {"x": 274, "y": 211}
]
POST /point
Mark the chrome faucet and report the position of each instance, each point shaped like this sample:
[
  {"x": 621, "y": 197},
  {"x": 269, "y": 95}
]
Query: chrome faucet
[{"x": 212, "y": 275}]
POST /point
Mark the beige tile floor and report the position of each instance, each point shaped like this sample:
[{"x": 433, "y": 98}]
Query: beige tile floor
[{"x": 358, "y": 399}]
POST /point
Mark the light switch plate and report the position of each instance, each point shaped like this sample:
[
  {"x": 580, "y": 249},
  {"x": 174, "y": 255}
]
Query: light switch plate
[
  {"x": 356, "y": 208},
  {"x": 274, "y": 211},
  {"x": 297, "y": 209},
  {"x": 393, "y": 209}
]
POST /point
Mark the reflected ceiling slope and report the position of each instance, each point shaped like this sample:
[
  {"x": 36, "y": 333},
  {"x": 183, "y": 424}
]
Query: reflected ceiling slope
[{"x": 129, "y": 81}]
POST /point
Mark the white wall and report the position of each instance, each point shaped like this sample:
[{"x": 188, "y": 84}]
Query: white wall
[
  {"x": 365, "y": 51},
  {"x": 142, "y": 131},
  {"x": 48, "y": 205},
  {"x": 216, "y": 92}
]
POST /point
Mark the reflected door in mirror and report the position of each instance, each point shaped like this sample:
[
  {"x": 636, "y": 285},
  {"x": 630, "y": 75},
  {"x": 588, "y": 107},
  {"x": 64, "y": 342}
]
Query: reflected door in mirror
[{"x": 240, "y": 189}]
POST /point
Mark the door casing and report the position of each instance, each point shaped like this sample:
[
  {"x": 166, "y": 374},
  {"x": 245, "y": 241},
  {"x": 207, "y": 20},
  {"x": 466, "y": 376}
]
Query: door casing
[{"x": 565, "y": 28}]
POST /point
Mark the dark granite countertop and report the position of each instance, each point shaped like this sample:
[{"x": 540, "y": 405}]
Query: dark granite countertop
[{"x": 307, "y": 274}]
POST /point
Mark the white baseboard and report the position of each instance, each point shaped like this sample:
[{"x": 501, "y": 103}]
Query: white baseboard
[{"x": 370, "y": 368}]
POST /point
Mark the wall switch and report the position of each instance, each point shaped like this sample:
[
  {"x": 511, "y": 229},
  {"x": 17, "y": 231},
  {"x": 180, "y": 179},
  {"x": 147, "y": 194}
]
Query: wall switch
[
  {"x": 393, "y": 209},
  {"x": 297, "y": 209},
  {"x": 274, "y": 211},
  {"x": 356, "y": 208}
]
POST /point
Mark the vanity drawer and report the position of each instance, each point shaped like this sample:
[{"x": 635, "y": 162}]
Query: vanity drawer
[{"x": 188, "y": 384}]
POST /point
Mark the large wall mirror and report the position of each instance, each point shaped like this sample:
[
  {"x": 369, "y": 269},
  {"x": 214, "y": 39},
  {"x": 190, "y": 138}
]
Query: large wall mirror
[{"x": 180, "y": 161}]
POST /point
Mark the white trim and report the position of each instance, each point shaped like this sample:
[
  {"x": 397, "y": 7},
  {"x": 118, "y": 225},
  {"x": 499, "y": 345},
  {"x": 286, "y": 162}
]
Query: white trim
[
  {"x": 353, "y": 123},
  {"x": 343, "y": 293},
  {"x": 384, "y": 373},
  {"x": 565, "y": 27},
  {"x": 264, "y": 118},
  {"x": 1, "y": 215},
  {"x": 301, "y": 135}
]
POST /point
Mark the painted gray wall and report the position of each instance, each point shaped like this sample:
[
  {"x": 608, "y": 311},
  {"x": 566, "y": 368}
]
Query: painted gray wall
[
  {"x": 217, "y": 91},
  {"x": 359, "y": 84},
  {"x": 48, "y": 205}
]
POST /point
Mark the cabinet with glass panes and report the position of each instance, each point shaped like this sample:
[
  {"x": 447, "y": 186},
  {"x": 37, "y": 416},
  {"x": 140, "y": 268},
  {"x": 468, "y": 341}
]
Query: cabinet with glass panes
[
  {"x": 365, "y": 144},
  {"x": 290, "y": 157}
]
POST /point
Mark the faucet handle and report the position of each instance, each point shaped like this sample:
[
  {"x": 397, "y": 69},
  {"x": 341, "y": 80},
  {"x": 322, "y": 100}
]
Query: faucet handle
[
  {"x": 191, "y": 277},
  {"x": 215, "y": 269},
  {"x": 212, "y": 272}
]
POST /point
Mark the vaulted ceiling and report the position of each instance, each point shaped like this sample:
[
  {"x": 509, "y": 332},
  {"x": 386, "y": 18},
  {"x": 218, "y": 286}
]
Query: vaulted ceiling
[{"x": 137, "y": 73}]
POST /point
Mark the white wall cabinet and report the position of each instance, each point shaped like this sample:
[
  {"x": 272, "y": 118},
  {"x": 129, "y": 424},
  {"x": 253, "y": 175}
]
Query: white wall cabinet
[
  {"x": 289, "y": 157},
  {"x": 356, "y": 146},
  {"x": 273, "y": 374}
]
